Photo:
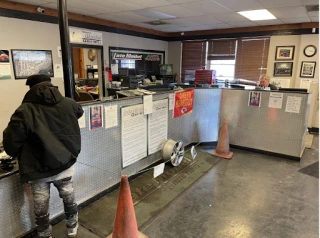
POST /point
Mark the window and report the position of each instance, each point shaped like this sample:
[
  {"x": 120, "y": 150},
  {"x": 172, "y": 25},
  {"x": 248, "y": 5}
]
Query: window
[
  {"x": 252, "y": 58},
  {"x": 224, "y": 69},
  {"x": 131, "y": 64}
]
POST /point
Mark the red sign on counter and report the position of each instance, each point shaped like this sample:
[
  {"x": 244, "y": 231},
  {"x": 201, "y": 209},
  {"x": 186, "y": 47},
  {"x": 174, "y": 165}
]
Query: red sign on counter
[{"x": 183, "y": 103}]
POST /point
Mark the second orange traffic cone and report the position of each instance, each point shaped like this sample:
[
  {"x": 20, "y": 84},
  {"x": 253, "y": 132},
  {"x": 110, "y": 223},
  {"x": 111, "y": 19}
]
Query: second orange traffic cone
[
  {"x": 222, "y": 150},
  {"x": 125, "y": 224}
]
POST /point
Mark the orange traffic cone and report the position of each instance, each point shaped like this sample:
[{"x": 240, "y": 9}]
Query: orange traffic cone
[
  {"x": 223, "y": 150},
  {"x": 125, "y": 224}
]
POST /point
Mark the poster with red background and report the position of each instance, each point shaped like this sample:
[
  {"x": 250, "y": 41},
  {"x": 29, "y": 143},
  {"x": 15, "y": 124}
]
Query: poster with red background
[{"x": 183, "y": 103}]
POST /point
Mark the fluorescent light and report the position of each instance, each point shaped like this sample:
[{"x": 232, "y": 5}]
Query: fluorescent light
[{"x": 257, "y": 15}]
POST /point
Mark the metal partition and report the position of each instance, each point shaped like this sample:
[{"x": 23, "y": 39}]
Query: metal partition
[
  {"x": 264, "y": 128},
  {"x": 99, "y": 163}
]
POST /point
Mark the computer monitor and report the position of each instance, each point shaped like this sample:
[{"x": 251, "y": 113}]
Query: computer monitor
[
  {"x": 124, "y": 71},
  {"x": 302, "y": 90}
]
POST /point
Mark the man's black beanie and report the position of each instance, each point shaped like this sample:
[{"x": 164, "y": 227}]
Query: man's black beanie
[{"x": 37, "y": 78}]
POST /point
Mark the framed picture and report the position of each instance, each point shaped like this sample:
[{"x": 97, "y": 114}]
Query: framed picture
[
  {"x": 283, "y": 69},
  {"x": 29, "y": 62},
  {"x": 285, "y": 52},
  {"x": 307, "y": 69}
]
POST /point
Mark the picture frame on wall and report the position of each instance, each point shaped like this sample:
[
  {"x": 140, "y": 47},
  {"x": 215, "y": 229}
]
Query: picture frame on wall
[
  {"x": 285, "y": 52},
  {"x": 283, "y": 69},
  {"x": 307, "y": 69}
]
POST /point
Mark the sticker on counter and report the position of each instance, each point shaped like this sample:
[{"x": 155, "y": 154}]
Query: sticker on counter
[
  {"x": 95, "y": 117},
  {"x": 254, "y": 99},
  {"x": 111, "y": 116},
  {"x": 82, "y": 121}
]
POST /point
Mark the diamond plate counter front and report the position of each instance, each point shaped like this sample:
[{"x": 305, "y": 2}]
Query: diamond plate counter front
[{"x": 99, "y": 163}]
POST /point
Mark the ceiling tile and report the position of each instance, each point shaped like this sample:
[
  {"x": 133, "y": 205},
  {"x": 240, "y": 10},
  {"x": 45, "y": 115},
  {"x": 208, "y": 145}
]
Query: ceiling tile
[
  {"x": 240, "y": 5},
  {"x": 72, "y": 9},
  {"x": 205, "y": 7},
  {"x": 219, "y": 26},
  {"x": 182, "y": 22},
  {"x": 309, "y": 2},
  {"x": 182, "y": 1},
  {"x": 314, "y": 19},
  {"x": 243, "y": 24},
  {"x": 178, "y": 11},
  {"x": 289, "y": 12},
  {"x": 199, "y": 27},
  {"x": 150, "y": 3},
  {"x": 34, "y": 2},
  {"x": 229, "y": 17},
  {"x": 112, "y": 18},
  {"x": 76, "y": 4},
  {"x": 295, "y": 20},
  {"x": 205, "y": 20},
  {"x": 153, "y": 14},
  {"x": 313, "y": 14},
  {"x": 279, "y": 3},
  {"x": 269, "y": 22},
  {"x": 175, "y": 29},
  {"x": 144, "y": 25},
  {"x": 117, "y": 5},
  {"x": 130, "y": 16}
]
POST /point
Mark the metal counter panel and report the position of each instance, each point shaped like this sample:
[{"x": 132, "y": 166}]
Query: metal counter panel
[
  {"x": 264, "y": 128},
  {"x": 99, "y": 163}
]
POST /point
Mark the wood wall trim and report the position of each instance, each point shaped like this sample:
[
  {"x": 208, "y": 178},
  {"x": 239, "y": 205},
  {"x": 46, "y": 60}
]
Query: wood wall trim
[{"x": 73, "y": 16}]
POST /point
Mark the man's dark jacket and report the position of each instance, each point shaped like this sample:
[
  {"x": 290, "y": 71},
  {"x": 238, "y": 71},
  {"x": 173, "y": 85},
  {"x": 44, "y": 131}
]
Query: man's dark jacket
[{"x": 44, "y": 133}]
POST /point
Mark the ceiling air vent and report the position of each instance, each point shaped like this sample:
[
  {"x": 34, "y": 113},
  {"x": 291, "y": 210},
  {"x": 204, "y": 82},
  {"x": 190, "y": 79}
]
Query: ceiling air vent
[
  {"x": 312, "y": 8},
  {"x": 157, "y": 23}
]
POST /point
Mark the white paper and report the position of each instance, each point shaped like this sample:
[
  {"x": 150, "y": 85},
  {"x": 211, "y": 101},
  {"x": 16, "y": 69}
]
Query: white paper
[
  {"x": 158, "y": 170},
  {"x": 305, "y": 83},
  {"x": 193, "y": 152},
  {"x": 111, "y": 113},
  {"x": 59, "y": 51},
  {"x": 281, "y": 82},
  {"x": 158, "y": 126},
  {"x": 5, "y": 71},
  {"x": 314, "y": 80},
  {"x": 293, "y": 104},
  {"x": 58, "y": 72},
  {"x": 114, "y": 69},
  {"x": 171, "y": 101},
  {"x": 275, "y": 100},
  {"x": 82, "y": 121},
  {"x": 147, "y": 104},
  {"x": 133, "y": 134}
]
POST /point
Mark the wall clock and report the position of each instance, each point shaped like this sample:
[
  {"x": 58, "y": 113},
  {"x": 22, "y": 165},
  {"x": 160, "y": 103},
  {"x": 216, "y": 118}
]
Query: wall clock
[{"x": 310, "y": 50}]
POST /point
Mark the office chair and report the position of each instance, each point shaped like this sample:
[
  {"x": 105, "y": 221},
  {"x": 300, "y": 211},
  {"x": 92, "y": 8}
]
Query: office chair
[{"x": 85, "y": 96}]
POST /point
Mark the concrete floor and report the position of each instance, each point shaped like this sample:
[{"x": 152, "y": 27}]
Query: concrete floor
[{"x": 250, "y": 196}]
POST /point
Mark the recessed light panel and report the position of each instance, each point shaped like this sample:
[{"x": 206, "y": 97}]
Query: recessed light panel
[{"x": 258, "y": 15}]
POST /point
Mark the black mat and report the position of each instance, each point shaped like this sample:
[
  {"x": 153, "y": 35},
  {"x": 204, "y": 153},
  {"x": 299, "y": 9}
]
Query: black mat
[{"x": 312, "y": 170}]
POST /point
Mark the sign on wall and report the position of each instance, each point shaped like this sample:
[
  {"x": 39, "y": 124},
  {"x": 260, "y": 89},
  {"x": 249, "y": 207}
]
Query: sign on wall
[
  {"x": 80, "y": 36},
  {"x": 183, "y": 103},
  {"x": 118, "y": 55}
]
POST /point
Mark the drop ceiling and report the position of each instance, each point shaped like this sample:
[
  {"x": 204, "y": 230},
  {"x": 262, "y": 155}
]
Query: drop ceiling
[{"x": 188, "y": 15}]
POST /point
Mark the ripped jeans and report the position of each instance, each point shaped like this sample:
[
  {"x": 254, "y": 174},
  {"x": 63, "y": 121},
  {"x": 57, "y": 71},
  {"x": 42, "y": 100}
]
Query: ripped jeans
[{"x": 41, "y": 197}]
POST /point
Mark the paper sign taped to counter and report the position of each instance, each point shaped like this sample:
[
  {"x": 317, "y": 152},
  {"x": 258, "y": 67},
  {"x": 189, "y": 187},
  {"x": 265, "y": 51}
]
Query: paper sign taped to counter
[
  {"x": 158, "y": 170},
  {"x": 171, "y": 101},
  {"x": 293, "y": 104},
  {"x": 147, "y": 104},
  {"x": 82, "y": 120},
  {"x": 111, "y": 113},
  {"x": 275, "y": 100}
]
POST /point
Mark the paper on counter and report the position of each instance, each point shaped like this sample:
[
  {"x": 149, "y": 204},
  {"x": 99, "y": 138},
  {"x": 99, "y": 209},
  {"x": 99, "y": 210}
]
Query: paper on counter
[
  {"x": 293, "y": 104},
  {"x": 147, "y": 104},
  {"x": 171, "y": 101},
  {"x": 158, "y": 170},
  {"x": 111, "y": 113},
  {"x": 275, "y": 100},
  {"x": 82, "y": 121}
]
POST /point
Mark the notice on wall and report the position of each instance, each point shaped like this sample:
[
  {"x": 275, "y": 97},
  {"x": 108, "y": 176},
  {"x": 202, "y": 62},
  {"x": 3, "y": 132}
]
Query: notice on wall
[
  {"x": 111, "y": 113},
  {"x": 133, "y": 134},
  {"x": 114, "y": 69},
  {"x": 305, "y": 83},
  {"x": 171, "y": 101},
  {"x": 82, "y": 120},
  {"x": 281, "y": 82},
  {"x": 95, "y": 117},
  {"x": 147, "y": 104},
  {"x": 275, "y": 100},
  {"x": 158, "y": 170},
  {"x": 158, "y": 126},
  {"x": 82, "y": 36},
  {"x": 5, "y": 71},
  {"x": 58, "y": 71},
  {"x": 293, "y": 104},
  {"x": 183, "y": 102},
  {"x": 59, "y": 51}
]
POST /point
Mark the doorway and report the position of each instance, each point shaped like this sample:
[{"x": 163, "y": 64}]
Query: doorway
[{"x": 87, "y": 62}]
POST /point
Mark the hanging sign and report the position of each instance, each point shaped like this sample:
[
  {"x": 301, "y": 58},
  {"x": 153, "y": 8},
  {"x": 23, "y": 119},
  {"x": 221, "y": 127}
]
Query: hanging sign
[
  {"x": 183, "y": 103},
  {"x": 135, "y": 56},
  {"x": 87, "y": 37}
]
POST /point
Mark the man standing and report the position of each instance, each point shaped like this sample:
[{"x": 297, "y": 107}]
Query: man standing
[
  {"x": 264, "y": 82},
  {"x": 45, "y": 136}
]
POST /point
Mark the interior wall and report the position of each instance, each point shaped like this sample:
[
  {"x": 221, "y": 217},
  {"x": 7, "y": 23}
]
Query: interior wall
[
  {"x": 24, "y": 34},
  {"x": 174, "y": 57},
  {"x": 86, "y": 58}
]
